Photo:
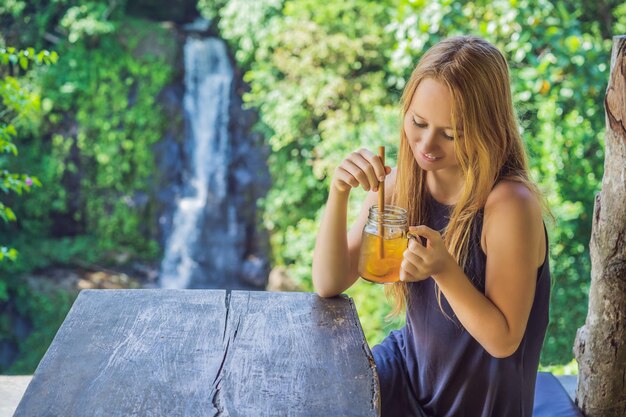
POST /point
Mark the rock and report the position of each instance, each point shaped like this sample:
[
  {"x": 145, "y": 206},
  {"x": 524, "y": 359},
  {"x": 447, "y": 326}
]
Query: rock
[
  {"x": 213, "y": 230},
  {"x": 254, "y": 271},
  {"x": 279, "y": 280},
  {"x": 8, "y": 354},
  {"x": 177, "y": 11},
  {"x": 84, "y": 284},
  {"x": 107, "y": 285},
  {"x": 20, "y": 326}
]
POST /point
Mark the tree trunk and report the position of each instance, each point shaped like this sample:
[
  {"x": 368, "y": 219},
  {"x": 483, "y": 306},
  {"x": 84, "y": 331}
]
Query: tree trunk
[{"x": 600, "y": 346}]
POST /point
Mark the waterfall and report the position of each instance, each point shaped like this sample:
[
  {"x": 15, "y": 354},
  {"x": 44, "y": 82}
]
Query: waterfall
[{"x": 204, "y": 217}]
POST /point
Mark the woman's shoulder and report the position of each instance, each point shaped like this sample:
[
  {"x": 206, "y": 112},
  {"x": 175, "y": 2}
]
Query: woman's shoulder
[
  {"x": 513, "y": 214},
  {"x": 512, "y": 195},
  {"x": 512, "y": 207}
]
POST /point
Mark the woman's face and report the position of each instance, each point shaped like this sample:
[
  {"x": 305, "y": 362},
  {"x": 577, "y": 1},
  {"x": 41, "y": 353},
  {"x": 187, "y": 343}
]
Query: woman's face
[{"x": 428, "y": 126}]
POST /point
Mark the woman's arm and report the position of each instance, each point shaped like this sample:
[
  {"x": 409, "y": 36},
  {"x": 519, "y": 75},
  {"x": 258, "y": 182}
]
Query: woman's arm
[
  {"x": 335, "y": 258},
  {"x": 332, "y": 272},
  {"x": 515, "y": 246}
]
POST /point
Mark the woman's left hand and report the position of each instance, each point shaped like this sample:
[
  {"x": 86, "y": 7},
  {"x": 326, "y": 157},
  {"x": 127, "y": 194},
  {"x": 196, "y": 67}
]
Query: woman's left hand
[{"x": 421, "y": 262}]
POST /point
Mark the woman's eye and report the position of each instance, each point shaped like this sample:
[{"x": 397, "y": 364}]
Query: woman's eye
[
  {"x": 418, "y": 124},
  {"x": 448, "y": 137}
]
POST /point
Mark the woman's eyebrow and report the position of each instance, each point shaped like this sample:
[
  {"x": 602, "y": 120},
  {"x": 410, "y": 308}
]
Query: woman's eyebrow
[{"x": 423, "y": 118}]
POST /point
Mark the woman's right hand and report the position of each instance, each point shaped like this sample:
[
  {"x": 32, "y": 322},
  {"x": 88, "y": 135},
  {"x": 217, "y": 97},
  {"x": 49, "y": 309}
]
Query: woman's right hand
[{"x": 361, "y": 168}]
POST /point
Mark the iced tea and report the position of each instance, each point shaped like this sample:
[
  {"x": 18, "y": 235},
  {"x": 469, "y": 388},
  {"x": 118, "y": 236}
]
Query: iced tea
[{"x": 375, "y": 269}]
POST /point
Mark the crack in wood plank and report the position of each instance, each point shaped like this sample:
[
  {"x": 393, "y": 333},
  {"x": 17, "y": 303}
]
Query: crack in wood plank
[
  {"x": 375, "y": 393},
  {"x": 227, "y": 305},
  {"x": 216, "y": 386}
]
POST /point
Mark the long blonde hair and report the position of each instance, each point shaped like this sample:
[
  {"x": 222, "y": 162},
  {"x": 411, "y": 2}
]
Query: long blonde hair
[{"x": 491, "y": 148}]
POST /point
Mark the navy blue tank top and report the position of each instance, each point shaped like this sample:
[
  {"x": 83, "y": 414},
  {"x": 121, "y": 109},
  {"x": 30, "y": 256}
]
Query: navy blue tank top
[{"x": 450, "y": 372}]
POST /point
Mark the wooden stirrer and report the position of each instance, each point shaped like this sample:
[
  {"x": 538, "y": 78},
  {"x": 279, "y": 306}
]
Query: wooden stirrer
[{"x": 381, "y": 207}]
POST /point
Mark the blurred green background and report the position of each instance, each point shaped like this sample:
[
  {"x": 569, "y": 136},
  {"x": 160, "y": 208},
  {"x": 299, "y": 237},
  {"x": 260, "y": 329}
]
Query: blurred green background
[{"x": 79, "y": 117}]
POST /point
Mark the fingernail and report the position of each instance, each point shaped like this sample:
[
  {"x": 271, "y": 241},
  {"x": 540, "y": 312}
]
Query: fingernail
[
  {"x": 381, "y": 178},
  {"x": 375, "y": 188}
]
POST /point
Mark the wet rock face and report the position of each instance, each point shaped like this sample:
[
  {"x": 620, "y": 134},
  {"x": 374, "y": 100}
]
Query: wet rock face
[
  {"x": 8, "y": 353},
  {"x": 212, "y": 173},
  {"x": 18, "y": 327},
  {"x": 178, "y": 11}
]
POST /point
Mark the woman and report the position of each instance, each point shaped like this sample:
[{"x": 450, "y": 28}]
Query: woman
[{"x": 477, "y": 292}]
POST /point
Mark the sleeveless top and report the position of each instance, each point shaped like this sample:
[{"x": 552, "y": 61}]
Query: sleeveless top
[{"x": 451, "y": 374}]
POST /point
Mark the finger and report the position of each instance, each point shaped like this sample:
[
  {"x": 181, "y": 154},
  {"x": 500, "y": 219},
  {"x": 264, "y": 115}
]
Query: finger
[
  {"x": 417, "y": 248},
  {"x": 357, "y": 173},
  {"x": 366, "y": 167},
  {"x": 405, "y": 274},
  {"x": 413, "y": 257},
  {"x": 412, "y": 263},
  {"x": 346, "y": 178},
  {"x": 376, "y": 163},
  {"x": 409, "y": 272},
  {"x": 415, "y": 237},
  {"x": 425, "y": 231}
]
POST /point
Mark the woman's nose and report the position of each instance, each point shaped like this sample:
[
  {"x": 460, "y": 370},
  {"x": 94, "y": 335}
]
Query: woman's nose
[{"x": 428, "y": 141}]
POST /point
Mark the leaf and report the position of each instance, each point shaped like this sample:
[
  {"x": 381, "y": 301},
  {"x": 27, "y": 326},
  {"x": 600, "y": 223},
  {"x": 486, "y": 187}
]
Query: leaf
[
  {"x": 23, "y": 62},
  {"x": 6, "y": 213}
]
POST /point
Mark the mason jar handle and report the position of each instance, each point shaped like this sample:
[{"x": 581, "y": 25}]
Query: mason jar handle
[{"x": 412, "y": 235}]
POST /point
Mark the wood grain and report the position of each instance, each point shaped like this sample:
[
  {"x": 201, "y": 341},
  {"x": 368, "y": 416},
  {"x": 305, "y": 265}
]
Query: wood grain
[
  {"x": 205, "y": 353},
  {"x": 310, "y": 360},
  {"x": 600, "y": 346}
]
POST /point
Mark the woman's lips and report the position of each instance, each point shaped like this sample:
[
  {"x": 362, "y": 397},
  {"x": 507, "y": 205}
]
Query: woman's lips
[{"x": 430, "y": 158}]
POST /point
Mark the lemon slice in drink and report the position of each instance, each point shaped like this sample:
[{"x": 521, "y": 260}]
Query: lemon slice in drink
[{"x": 378, "y": 267}]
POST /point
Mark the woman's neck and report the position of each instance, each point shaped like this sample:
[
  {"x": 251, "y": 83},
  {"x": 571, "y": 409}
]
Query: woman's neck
[{"x": 445, "y": 187}]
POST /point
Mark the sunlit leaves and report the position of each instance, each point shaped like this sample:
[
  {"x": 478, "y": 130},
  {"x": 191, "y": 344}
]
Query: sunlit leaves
[
  {"x": 111, "y": 94},
  {"x": 88, "y": 19},
  {"x": 17, "y": 103},
  {"x": 24, "y": 57}
]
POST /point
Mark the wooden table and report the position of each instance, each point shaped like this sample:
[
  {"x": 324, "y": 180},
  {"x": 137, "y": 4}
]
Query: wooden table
[{"x": 205, "y": 353}]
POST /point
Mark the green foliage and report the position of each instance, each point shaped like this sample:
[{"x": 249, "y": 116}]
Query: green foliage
[
  {"x": 87, "y": 20},
  {"x": 97, "y": 161},
  {"x": 325, "y": 79},
  {"x": 37, "y": 22},
  {"x": 570, "y": 368},
  {"x": 46, "y": 312},
  {"x": 619, "y": 15},
  {"x": 373, "y": 310},
  {"x": 17, "y": 103},
  {"x": 112, "y": 95},
  {"x": 46, "y": 309}
]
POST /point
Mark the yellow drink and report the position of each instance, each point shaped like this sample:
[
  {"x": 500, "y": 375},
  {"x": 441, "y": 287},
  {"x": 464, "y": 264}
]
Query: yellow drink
[{"x": 375, "y": 269}]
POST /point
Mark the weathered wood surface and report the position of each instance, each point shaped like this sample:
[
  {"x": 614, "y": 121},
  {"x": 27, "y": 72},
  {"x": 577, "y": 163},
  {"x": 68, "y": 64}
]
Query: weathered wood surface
[
  {"x": 205, "y": 353},
  {"x": 600, "y": 346}
]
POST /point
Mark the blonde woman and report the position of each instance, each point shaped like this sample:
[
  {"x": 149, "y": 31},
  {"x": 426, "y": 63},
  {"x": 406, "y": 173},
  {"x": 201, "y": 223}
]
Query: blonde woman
[{"x": 476, "y": 288}]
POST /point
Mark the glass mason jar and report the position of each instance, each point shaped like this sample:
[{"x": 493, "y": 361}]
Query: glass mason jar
[{"x": 382, "y": 245}]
